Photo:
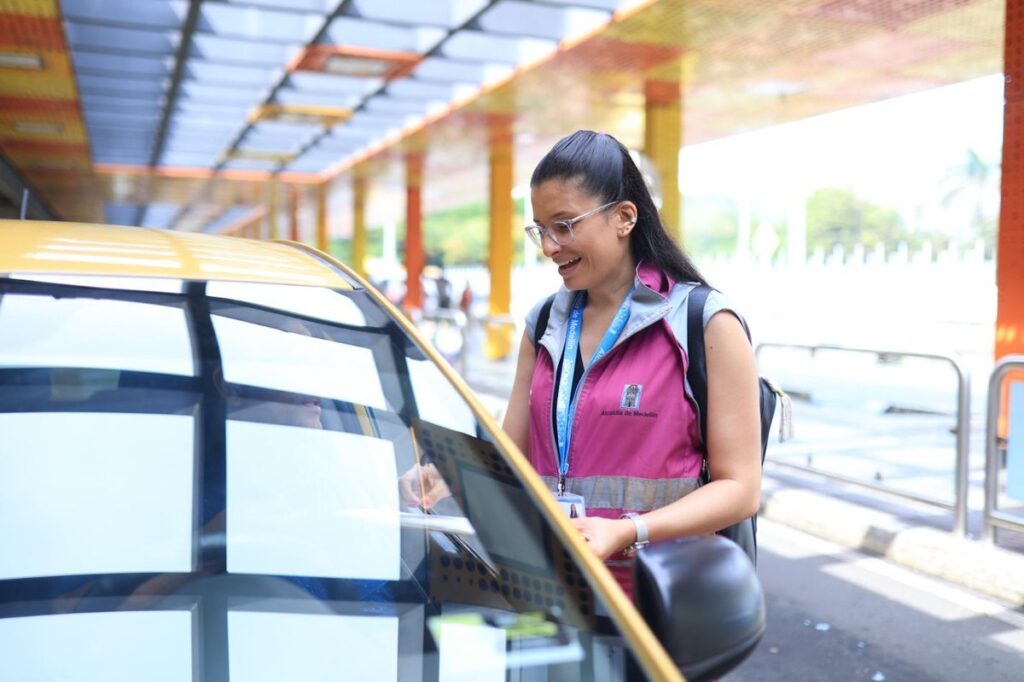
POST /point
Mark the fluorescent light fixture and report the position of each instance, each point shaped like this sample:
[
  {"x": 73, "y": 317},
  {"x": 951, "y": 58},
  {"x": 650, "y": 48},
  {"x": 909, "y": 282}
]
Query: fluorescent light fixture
[
  {"x": 357, "y": 62},
  {"x": 21, "y": 60},
  {"x": 39, "y": 127},
  {"x": 359, "y": 67}
]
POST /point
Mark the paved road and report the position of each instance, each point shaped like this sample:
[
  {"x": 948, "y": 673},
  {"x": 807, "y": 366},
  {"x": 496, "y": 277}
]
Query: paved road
[{"x": 836, "y": 614}]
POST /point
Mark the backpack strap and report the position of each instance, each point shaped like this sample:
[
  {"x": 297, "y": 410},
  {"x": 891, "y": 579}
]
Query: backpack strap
[
  {"x": 542, "y": 322},
  {"x": 697, "y": 369},
  {"x": 743, "y": 533},
  {"x": 697, "y": 375}
]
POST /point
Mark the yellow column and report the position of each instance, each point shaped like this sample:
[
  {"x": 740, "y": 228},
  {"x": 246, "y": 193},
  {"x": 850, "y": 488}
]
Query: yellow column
[
  {"x": 293, "y": 213},
  {"x": 272, "y": 209},
  {"x": 500, "y": 327},
  {"x": 322, "y": 241},
  {"x": 663, "y": 138},
  {"x": 359, "y": 223}
]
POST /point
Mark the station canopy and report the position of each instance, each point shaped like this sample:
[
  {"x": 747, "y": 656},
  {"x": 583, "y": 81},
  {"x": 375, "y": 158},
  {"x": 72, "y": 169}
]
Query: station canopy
[{"x": 170, "y": 113}]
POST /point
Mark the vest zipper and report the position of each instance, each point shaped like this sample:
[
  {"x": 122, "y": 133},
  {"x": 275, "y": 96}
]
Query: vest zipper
[
  {"x": 579, "y": 389},
  {"x": 575, "y": 402}
]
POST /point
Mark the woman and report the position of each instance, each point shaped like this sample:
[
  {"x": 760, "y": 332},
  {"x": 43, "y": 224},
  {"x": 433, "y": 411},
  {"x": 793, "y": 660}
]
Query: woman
[{"x": 599, "y": 405}]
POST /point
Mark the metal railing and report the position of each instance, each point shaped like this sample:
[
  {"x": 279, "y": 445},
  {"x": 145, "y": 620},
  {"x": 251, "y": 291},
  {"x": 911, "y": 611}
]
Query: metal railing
[
  {"x": 992, "y": 517},
  {"x": 963, "y": 426},
  {"x": 437, "y": 326}
]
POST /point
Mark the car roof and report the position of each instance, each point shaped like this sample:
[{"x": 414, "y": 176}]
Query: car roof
[{"x": 40, "y": 247}]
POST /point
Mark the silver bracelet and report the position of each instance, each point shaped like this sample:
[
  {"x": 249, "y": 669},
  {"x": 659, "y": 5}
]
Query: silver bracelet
[{"x": 642, "y": 539}]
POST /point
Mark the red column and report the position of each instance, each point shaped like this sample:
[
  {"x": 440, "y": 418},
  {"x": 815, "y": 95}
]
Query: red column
[
  {"x": 1010, "y": 245},
  {"x": 415, "y": 258}
]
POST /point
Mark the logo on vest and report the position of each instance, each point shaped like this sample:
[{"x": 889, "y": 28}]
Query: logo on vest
[{"x": 631, "y": 396}]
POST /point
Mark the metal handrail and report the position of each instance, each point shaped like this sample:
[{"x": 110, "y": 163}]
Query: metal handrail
[
  {"x": 458, "y": 319},
  {"x": 963, "y": 427},
  {"x": 499, "y": 319},
  {"x": 992, "y": 517}
]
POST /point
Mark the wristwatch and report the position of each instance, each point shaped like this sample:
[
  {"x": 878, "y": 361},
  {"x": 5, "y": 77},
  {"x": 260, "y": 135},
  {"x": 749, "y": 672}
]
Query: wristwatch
[{"x": 641, "y": 534}]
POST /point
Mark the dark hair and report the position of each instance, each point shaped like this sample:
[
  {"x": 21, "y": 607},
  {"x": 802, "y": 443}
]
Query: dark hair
[{"x": 604, "y": 169}]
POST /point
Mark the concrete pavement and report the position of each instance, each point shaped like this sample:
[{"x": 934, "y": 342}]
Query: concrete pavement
[{"x": 911, "y": 535}]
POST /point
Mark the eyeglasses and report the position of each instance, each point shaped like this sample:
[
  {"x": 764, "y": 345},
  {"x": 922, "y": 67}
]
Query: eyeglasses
[{"x": 560, "y": 231}]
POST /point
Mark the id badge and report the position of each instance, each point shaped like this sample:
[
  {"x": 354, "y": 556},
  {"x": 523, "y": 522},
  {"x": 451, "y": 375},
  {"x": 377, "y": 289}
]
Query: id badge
[{"x": 573, "y": 505}]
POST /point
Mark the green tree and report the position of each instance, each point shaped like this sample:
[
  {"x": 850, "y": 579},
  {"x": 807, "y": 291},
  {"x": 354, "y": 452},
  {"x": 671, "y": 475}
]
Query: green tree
[
  {"x": 838, "y": 216},
  {"x": 455, "y": 236},
  {"x": 975, "y": 181},
  {"x": 341, "y": 247},
  {"x": 710, "y": 226}
]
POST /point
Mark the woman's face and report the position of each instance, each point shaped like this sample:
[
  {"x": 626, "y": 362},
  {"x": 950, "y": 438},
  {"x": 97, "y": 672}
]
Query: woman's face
[{"x": 597, "y": 248}]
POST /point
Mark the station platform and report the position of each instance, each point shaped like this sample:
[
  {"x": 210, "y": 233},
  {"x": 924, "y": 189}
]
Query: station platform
[{"x": 913, "y": 534}]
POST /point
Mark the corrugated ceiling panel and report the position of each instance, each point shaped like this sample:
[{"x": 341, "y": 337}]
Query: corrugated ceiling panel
[{"x": 163, "y": 14}]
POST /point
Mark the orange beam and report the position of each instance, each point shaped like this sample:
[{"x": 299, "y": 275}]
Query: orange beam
[
  {"x": 23, "y": 30},
  {"x": 56, "y": 107},
  {"x": 415, "y": 257}
]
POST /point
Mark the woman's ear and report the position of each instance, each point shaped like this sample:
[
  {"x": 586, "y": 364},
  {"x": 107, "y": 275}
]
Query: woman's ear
[{"x": 626, "y": 215}]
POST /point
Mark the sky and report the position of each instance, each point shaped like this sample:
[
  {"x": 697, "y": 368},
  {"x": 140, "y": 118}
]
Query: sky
[{"x": 892, "y": 152}]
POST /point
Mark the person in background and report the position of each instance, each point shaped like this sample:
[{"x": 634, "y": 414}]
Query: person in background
[
  {"x": 599, "y": 404},
  {"x": 466, "y": 300},
  {"x": 444, "y": 291}
]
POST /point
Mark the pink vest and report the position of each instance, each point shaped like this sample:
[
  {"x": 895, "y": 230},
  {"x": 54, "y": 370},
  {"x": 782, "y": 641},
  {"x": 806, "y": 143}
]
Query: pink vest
[{"x": 635, "y": 444}]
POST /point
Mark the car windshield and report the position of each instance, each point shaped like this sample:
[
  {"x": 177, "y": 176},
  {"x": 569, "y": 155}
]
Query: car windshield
[{"x": 200, "y": 481}]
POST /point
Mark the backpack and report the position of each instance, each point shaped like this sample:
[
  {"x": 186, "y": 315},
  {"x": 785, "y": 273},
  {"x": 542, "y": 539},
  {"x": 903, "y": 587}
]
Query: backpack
[{"x": 743, "y": 533}]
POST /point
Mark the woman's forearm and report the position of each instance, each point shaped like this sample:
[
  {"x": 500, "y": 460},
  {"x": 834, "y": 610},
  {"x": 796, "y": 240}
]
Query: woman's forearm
[{"x": 708, "y": 509}]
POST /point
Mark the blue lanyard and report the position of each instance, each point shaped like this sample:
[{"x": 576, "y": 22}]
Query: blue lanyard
[{"x": 566, "y": 398}]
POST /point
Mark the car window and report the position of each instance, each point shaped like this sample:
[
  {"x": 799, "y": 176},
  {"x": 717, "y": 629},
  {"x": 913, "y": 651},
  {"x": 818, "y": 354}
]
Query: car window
[
  {"x": 108, "y": 334},
  {"x": 303, "y": 362},
  {"x": 318, "y": 302},
  {"x": 213, "y": 476},
  {"x": 109, "y": 512}
]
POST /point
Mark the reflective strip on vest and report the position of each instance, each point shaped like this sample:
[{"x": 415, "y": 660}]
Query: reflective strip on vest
[
  {"x": 619, "y": 563},
  {"x": 627, "y": 493}
]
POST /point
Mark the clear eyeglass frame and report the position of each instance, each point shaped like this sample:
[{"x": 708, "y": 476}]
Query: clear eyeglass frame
[{"x": 561, "y": 232}]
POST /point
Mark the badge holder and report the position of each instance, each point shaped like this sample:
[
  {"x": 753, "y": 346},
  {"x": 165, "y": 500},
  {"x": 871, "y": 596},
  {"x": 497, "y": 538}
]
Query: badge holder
[{"x": 573, "y": 505}]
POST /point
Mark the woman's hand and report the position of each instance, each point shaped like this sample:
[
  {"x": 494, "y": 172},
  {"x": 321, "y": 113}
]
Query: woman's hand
[
  {"x": 422, "y": 486},
  {"x": 606, "y": 536}
]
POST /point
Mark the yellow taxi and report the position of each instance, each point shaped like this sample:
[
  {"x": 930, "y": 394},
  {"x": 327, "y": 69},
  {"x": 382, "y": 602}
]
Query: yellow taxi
[{"x": 203, "y": 446}]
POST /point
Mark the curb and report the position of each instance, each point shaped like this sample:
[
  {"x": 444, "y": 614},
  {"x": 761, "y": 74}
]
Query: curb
[{"x": 976, "y": 565}]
